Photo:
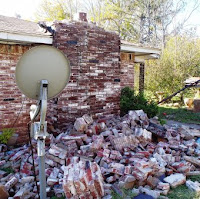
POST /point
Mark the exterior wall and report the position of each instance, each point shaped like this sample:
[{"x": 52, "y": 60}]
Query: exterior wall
[
  {"x": 13, "y": 107},
  {"x": 127, "y": 74},
  {"x": 94, "y": 87},
  {"x": 127, "y": 69}
]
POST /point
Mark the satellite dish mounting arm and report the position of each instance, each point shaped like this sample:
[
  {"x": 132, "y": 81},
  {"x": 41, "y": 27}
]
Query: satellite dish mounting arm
[
  {"x": 39, "y": 130},
  {"x": 42, "y": 103},
  {"x": 35, "y": 110}
]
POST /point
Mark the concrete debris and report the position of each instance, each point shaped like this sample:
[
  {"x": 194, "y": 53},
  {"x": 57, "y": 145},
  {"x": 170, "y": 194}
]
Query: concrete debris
[
  {"x": 193, "y": 173},
  {"x": 164, "y": 187},
  {"x": 194, "y": 186},
  {"x": 88, "y": 119},
  {"x": 11, "y": 182},
  {"x": 80, "y": 125},
  {"x": 175, "y": 179},
  {"x": 192, "y": 160},
  {"x": 98, "y": 156}
]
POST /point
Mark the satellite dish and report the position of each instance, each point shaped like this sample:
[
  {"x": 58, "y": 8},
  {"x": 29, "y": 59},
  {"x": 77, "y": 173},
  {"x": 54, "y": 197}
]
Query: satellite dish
[
  {"x": 41, "y": 73},
  {"x": 42, "y": 62}
]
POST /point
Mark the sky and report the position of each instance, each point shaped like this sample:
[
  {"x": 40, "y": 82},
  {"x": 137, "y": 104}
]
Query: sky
[
  {"x": 194, "y": 19},
  {"x": 27, "y": 8}
]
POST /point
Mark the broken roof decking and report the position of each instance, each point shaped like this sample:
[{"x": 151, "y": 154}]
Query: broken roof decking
[
  {"x": 13, "y": 30},
  {"x": 141, "y": 53}
]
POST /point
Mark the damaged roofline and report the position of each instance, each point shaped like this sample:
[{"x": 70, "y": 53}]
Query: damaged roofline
[
  {"x": 138, "y": 49},
  {"x": 20, "y": 38}
]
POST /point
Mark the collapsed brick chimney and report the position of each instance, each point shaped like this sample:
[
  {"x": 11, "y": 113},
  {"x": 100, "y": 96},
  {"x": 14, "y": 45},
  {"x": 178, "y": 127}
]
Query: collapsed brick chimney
[{"x": 83, "y": 16}]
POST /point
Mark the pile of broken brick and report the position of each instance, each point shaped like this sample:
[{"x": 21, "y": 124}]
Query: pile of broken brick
[{"x": 94, "y": 158}]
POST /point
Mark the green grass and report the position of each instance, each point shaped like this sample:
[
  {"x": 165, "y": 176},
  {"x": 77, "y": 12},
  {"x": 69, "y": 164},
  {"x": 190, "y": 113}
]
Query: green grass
[
  {"x": 182, "y": 192},
  {"x": 179, "y": 114},
  {"x": 126, "y": 193},
  {"x": 162, "y": 121},
  {"x": 54, "y": 197},
  {"x": 195, "y": 178}
]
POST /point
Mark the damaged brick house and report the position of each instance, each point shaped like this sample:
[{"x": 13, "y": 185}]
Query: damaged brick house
[{"x": 101, "y": 64}]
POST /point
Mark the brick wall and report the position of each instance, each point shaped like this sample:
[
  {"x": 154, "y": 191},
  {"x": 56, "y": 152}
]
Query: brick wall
[
  {"x": 94, "y": 86},
  {"x": 127, "y": 73},
  {"x": 11, "y": 100},
  {"x": 95, "y": 83}
]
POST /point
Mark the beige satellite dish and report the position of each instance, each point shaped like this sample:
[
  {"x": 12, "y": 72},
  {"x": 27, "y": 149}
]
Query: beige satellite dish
[
  {"x": 42, "y": 73},
  {"x": 42, "y": 62}
]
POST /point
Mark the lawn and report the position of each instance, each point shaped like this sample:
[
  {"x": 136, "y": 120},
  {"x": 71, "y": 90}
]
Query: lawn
[
  {"x": 179, "y": 114},
  {"x": 180, "y": 192}
]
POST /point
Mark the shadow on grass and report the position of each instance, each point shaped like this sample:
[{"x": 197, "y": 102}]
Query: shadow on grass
[{"x": 179, "y": 114}]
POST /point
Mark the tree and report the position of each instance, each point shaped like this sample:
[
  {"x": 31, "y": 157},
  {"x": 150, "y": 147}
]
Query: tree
[
  {"x": 113, "y": 15},
  {"x": 179, "y": 60},
  {"x": 56, "y": 10},
  {"x": 95, "y": 10},
  {"x": 169, "y": 14},
  {"x": 143, "y": 21},
  {"x": 154, "y": 16}
]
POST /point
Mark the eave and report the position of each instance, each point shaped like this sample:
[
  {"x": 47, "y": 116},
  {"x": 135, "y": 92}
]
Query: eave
[{"x": 24, "y": 39}]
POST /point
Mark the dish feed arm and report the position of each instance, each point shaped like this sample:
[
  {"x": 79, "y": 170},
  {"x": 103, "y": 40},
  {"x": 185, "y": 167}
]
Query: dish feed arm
[{"x": 42, "y": 103}]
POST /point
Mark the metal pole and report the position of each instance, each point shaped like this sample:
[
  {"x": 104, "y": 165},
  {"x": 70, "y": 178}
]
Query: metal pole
[
  {"x": 40, "y": 134},
  {"x": 42, "y": 175}
]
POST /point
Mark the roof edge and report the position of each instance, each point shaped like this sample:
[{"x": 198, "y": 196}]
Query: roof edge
[
  {"x": 131, "y": 47},
  {"x": 22, "y": 38}
]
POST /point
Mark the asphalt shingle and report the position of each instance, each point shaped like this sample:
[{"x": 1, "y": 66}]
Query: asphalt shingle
[{"x": 20, "y": 26}]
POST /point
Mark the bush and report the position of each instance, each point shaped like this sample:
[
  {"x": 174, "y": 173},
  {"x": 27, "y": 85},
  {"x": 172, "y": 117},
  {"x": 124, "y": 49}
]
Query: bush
[
  {"x": 5, "y": 135},
  {"x": 131, "y": 101}
]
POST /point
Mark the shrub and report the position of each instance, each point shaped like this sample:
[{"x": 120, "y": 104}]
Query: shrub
[
  {"x": 131, "y": 101},
  {"x": 5, "y": 135}
]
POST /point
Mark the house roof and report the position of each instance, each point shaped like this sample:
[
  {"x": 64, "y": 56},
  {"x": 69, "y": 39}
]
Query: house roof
[{"x": 14, "y": 29}]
